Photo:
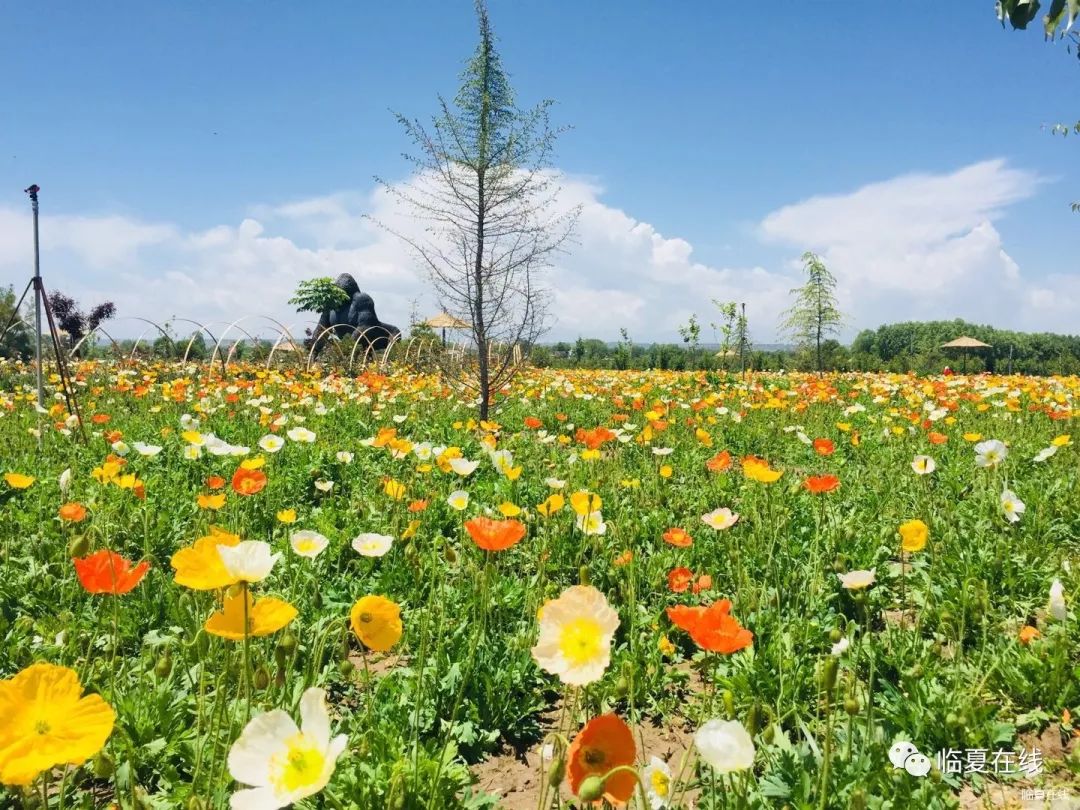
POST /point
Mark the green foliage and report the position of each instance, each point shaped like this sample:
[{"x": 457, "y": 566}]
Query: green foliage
[
  {"x": 318, "y": 295},
  {"x": 17, "y": 342},
  {"x": 814, "y": 316}
]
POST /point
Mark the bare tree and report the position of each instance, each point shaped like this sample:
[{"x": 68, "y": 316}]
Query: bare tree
[{"x": 485, "y": 192}]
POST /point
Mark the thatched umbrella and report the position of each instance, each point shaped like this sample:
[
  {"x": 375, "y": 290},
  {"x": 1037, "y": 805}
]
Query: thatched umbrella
[
  {"x": 966, "y": 344},
  {"x": 445, "y": 321}
]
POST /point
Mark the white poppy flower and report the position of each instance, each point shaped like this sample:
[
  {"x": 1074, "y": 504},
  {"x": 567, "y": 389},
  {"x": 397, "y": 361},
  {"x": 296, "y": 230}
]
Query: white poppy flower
[
  {"x": 840, "y": 647},
  {"x": 1057, "y": 601},
  {"x": 857, "y": 580},
  {"x": 591, "y": 524},
  {"x": 323, "y": 485},
  {"x": 576, "y": 632},
  {"x": 146, "y": 449},
  {"x": 65, "y": 481},
  {"x": 720, "y": 519},
  {"x": 463, "y": 467},
  {"x": 301, "y": 434},
  {"x": 657, "y": 779},
  {"x": 923, "y": 465},
  {"x": 120, "y": 448},
  {"x": 990, "y": 453},
  {"x": 307, "y": 543},
  {"x": 344, "y": 457},
  {"x": 555, "y": 483},
  {"x": 283, "y": 763},
  {"x": 1012, "y": 506},
  {"x": 458, "y": 499},
  {"x": 725, "y": 745},
  {"x": 271, "y": 443},
  {"x": 192, "y": 452},
  {"x": 370, "y": 544},
  {"x": 1045, "y": 453},
  {"x": 249, "y": 561}
]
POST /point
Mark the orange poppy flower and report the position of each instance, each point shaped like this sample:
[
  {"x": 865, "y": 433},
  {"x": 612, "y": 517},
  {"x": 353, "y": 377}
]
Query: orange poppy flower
[
  {"x": 100, "y": 418},
  {"x": 685, "y": 617},
  {"x": 107, "y": 572},
  {"x": 679, "y": 579},
  {"x": 704, "y": 582},
  {"x": 605, "y": 743},
  {"x": 495, "y": 535},
  {"x": 73, "y": 512},
  {"x": 113, "y": 436},
  {"x": 1028, "y": 634},
  {"x": 248, "y": 482},
  {"x": 625, "y": 558},
  {"x": 418, "y": 506},
  {"x": 721, "y": 462},
  {"x": 595, "y": 438},
  {"x": 215, "y": 482},
  {"x": 680, "y": 538},
  {"x": 532, "y": 422},
  {"x": 713, "y": 628},
  {"x": 818, "y": 484},
  {"x": 824, "y": 447},
  {"x": 938, "y": 438}
]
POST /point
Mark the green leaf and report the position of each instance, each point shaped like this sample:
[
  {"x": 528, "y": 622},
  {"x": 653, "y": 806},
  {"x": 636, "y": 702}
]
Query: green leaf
[{"x": 1053, "y": 17}]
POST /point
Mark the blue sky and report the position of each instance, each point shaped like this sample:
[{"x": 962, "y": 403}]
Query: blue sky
[{"x": 181, "y": 147}]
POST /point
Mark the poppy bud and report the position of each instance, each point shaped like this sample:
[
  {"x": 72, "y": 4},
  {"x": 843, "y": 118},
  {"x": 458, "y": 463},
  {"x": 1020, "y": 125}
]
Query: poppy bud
[
  {"x": 557, "y": 772},
  {"x": 729, "y": 703},
  {"x": 261, "y": 679},
  {"x": 835, "y": 635},
  {"x": 583, "y": 575},
  {"x": 104, "y": 766},
  {"x": 591, "y": 790},
  {"x": 753, "y": 720},
  {"x": 450, "y": 554},
  {"x": 163, "y": 666},
  {"x": 851, "y": 706},
  {"x": 916, "y": 671},
  {"x": 78, "y": 546},
  {"x": 280, "y": 656},
  {"x": 287, "y": 643},
  {"x": 828, "y": 673},
  {"x": 622, "y": 686},
  {"x": 858, "y": 800},
  {"x": 346, "y": 668}
]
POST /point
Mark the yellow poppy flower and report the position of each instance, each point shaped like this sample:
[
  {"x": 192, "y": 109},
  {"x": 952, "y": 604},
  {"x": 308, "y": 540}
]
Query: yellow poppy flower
[
  {"x": 193, "y": 437},
  {"x": 265, "y": 616},
  {"x": 377, "y": 622},
  {"x": 213, "y": 502},
  {"x": 551, "y": 505},
  {"x": 48, "y": 722},
  {"x": 583, "y": 502},
  {"x": 666, "y": 471},
  {"x": 199, "y": 566},
  {"x": 590, "y": 455},
  {"x": 913, "y": 535},
  {"x": 394, "y": 489},
  {"x": 287, "y": 516},
  {"x": 18, "y": 480},
  {"x": 1061, "y": 441},
  {"x": 509, "y": 509},
  {"x": 253, "y": 463}
]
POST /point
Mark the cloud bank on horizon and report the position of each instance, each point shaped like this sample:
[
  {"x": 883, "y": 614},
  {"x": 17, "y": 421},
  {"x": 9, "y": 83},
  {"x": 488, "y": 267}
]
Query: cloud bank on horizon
[{"x": 920, "y": 246}]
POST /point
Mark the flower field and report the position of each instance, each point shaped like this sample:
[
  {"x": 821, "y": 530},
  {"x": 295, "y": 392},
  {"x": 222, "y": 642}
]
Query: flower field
[{"x": 643, "y": 589}]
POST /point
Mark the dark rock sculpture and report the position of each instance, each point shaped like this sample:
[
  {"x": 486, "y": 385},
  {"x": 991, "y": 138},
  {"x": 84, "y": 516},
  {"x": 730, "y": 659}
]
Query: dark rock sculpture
[{"x": 356, "y": 317}]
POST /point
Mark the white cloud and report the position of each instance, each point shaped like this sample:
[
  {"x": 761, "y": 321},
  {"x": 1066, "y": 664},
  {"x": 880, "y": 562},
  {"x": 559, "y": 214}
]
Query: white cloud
[{"x": 916, "y": 246}]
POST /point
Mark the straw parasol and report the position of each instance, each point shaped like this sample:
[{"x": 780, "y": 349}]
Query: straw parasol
[
  {"x": 445, "y": 321},
  {"x": 966, "y": 344}
]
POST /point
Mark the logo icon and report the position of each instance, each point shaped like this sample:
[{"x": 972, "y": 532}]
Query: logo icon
[{"x": 905, "y": 755}]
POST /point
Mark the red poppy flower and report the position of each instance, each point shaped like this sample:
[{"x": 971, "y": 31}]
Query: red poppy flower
[
  {"x": 107, "y": 572},
  {"x": 680, "y": 538},
  {"x": 495, "y": 535},
  {"x": 824, "y": 447},
  {"x": 532, "y": 422},
  {"x": 595, "y": 438},
  {"x": 679, "y": 579},
  {"x": 818, "y": 484},
  {"x": 248, "y": 482}
]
